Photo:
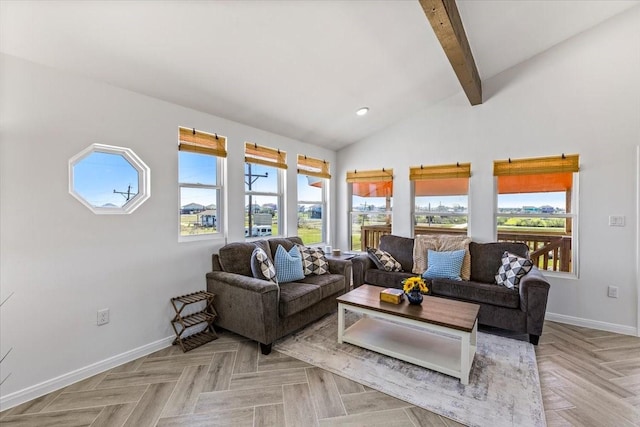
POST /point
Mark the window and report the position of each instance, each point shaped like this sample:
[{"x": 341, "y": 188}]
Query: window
[
  {"x": 263, "y": 171},
  {"x": 441, "y": 202},
  {"x": 371, "y": 200},
  {"x": 108, "y": 179},
  {"x": 313, "y": 176},
  {"x": 200, "y": 180},
  {"x": 537, "y": 206}
]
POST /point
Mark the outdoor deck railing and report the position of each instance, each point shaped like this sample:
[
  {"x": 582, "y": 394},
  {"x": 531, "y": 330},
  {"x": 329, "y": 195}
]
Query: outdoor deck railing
[{"x": 549, "y": 251}]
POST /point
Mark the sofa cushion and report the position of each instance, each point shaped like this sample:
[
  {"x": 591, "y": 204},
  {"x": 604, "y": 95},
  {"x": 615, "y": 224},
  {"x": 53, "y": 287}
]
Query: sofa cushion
[
  {"x": 313, "y": 260},
  {"x": 421, "y": 246},
  {"x": 512, "y": 269},
  {"x": 486, "y": 258},
  {"x": 400, "y": 247},
  {"x": 236, "y": 257},
  {"x": 329, "y": 283},
  {"x": 476, "y": 292},
  {"x": 387, "y": 279},
  {"x": 288, "y": 265},
  {"x": 296, "y": 296},
  {"x": 262, "y": 267},
  {"x": 444, "y": 265},
  {"x": 285, "y": 242},
  {"x": 383, "y": 260},
  {"x": 454, "y": 243}
]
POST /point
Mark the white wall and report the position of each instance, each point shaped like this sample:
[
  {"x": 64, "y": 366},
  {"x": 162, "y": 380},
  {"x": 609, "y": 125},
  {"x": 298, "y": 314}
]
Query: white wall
[
  {"x": 62, "y": 261},
  {"x": 582, "y": 96}
]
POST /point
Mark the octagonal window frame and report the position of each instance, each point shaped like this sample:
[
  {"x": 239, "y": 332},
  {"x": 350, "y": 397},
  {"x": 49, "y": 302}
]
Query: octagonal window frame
[{"x": 144, "y": 178}]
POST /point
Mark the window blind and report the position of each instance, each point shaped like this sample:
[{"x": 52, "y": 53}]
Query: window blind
[
  {"x": 196, "y": 141},
  {"x": 441, "y": 180},
  {"x": 536, "y": 175},
  {"x": 372, "y": 183},
  {"x": 257, "y": 154},
  {"x": 313, "y": 167}
]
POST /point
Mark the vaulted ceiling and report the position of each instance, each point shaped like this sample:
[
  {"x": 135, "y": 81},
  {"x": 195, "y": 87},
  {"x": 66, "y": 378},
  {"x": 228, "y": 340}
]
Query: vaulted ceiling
[{"x": 299, "y": 69}]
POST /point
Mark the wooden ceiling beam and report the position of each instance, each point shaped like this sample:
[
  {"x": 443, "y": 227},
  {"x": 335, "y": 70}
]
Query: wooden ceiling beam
[{"x": 446, "y": 23}]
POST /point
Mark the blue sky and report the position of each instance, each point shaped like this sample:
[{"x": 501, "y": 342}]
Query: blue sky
[{"x": 97, "y": 175}]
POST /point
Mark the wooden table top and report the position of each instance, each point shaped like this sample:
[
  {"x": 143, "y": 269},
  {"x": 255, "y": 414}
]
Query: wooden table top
[{"x": 438, "y": 311}]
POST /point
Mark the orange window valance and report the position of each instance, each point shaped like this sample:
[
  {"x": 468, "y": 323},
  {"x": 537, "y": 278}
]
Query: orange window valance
[
  {"x": 536, "y": 175},
  {"x": 257, "y": 154},
  {"x": 313, "y": 167},
  {"x": 196, "y": 141},
  {"x": 371, "y": 183},
  {"x": 441, "y": 180}
]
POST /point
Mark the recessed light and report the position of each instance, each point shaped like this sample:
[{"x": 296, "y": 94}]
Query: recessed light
[{"x": 362, "y": 111}]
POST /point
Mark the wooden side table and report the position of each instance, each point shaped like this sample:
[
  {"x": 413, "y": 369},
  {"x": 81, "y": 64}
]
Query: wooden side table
[{"x": 181, "y": 323}]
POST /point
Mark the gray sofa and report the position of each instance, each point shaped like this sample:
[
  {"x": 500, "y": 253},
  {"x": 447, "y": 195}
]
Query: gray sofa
[
  {"x": 520, "y": 310},
  {"x": 264, "y": 311}
]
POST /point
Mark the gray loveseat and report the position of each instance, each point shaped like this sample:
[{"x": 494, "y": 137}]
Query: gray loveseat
[
  {"x": 520, "y": 310},
  {"x": 265, "y": 311}
]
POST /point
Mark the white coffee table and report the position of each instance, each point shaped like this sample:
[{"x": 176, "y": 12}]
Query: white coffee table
[{"x": 440, "y": 334}]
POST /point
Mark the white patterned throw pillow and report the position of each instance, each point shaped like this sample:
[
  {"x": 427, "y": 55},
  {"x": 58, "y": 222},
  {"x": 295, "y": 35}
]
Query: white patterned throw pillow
[
  {"x": 383, "y": 260},
  {"x": 262, "y": 267},
  {"x": 313, "y": 260},
  {"x": 512, "y": 269}
]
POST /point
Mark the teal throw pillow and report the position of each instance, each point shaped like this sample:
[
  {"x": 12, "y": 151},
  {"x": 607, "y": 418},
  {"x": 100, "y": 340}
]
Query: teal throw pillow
[
  {"x": 288, "y": 265},
  {"x": 444, "y": 265}
]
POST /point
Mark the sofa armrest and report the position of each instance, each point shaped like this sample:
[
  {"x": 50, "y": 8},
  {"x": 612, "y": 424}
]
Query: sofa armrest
[
  {"x": 361, "y": 264},
  {"x": 534, "y": 292},
  {"x": 343, "y": 268},
  {"x": 245, "y": 305}
]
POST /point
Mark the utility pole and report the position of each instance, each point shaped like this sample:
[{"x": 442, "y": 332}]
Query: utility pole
[
  {"x": 251, "y": 179},
  {"x": 126, "y": 194}
]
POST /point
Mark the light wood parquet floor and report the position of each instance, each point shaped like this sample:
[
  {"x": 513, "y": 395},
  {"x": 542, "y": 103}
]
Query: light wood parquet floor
[{"x": 588, "y": 377}]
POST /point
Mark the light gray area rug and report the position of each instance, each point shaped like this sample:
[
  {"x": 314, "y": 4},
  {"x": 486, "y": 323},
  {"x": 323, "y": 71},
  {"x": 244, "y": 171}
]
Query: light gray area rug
[{"x": 503, "y": 390}]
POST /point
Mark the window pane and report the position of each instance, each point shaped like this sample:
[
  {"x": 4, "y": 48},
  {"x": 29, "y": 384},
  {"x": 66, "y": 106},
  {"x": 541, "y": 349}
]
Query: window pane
[
  {"x": 452, "y": 222},
  {"x": 197, "y": 168},
  {"x": 457, "y": 204},
  {"x": 368, "y": 204},
  {"x": 547, "y": 231},
  {"x": 260, "y": 178},
  {"x": 539, "y": 203},
  {"x": 367, "y": 227},
  {"x": 198, "y": 211},
  {"x": 549, "y": 239},
  {"x": 310, "y": 188},
  {"x": 310, "y": 209},
  {"x": 310, "y": 223},
  {"x": 105, "y": 180},
  {"x": 261, "y": 216}
]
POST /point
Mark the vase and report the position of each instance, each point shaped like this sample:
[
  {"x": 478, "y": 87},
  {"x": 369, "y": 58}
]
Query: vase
[{"x": 414, "y": 297}]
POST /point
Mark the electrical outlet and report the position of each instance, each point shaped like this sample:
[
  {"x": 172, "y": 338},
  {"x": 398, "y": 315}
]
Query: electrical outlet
[
  {"x": 612, "y": 292},
  {"x": 103, "y": 316}
]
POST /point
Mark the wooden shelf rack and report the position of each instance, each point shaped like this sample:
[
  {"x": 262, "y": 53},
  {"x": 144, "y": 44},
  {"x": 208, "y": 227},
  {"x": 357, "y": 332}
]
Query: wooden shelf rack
[{"x": 181, "y": 323}]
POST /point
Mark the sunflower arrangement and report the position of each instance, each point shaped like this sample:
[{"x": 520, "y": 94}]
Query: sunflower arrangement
[{"x": 414, "y": 284}]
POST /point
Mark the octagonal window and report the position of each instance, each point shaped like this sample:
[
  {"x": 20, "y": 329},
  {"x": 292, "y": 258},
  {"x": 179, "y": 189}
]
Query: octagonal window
[{"x": 108, "y": 179}]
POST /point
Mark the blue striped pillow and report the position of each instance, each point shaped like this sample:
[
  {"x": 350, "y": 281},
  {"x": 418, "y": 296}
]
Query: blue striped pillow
[
  {"x": 288, "y": 265},
  {"x": 444, "y": 265}
]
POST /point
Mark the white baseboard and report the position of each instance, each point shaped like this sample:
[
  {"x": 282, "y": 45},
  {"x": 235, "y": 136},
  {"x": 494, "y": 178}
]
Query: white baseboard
[
  {"x": 593, "y": 324},
  {"x": 69, "y": 378}
]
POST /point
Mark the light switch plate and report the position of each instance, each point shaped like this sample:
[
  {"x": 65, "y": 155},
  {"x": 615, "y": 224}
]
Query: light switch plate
[{"x": 616, "y": 220}]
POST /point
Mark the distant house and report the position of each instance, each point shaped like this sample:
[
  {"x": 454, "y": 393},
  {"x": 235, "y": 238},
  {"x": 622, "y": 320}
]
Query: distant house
[
  {"x": 530, "y": 209},
  {"x": 191, "y": 208},
  {"x": 255, "y": 208},
  {"x": 316, "y": 211},
  {"x": 207, "y": 218},
  {"x": 546, "y": 209}
]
